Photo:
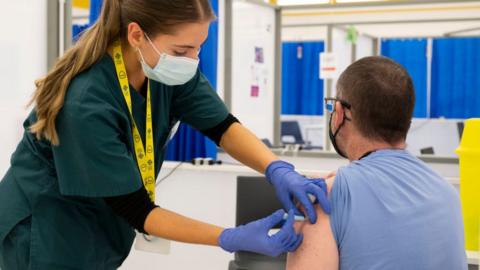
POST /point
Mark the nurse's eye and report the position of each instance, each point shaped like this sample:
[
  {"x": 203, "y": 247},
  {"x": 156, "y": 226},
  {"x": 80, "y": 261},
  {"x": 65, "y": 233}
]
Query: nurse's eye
[{"x": 177, "y": 53}]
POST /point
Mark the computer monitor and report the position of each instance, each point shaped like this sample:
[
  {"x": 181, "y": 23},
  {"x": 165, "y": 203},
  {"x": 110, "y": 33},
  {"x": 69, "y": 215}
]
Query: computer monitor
[
  {"x": 427, "y": 151},
  {"x": 256, "y": 199}
]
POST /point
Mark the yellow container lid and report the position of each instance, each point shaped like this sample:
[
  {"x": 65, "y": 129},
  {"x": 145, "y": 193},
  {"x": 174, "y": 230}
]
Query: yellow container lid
[
  {"x": 85, "y": 4},
  {"x": 470, "y": 143}
]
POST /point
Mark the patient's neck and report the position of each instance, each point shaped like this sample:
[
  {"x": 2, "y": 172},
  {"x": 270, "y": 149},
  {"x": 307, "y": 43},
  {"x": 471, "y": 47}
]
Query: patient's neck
[{"x": 358, "y": 146}]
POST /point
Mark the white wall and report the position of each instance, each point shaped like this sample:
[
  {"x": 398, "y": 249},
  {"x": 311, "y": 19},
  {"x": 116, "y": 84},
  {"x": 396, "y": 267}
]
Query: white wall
[
  {"x": 23, "y": 53},
  {"x": 380, "y": 16},
  {"x": 385, "y": 30},
  {"x": 255, "y": 111},
  {"x": 80, "y": 15},
  {"x": 314, "y": 33},
  {"x": 475, "y": 32},
  {"x": 365, "y": 47},
  {"x": 414, "y": 12},
  {"x": 441, "y": 134},
  {"x": 436, "y": 29}
]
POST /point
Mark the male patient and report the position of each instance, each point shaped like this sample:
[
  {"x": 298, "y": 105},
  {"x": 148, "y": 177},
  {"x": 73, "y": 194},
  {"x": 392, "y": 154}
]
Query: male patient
[{"x": 389, "y": 209}]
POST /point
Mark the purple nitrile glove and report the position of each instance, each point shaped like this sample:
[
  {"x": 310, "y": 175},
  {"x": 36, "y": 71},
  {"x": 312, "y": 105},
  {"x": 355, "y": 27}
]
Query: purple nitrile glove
[
  {"x": 254, "y": 237},
  {"x": 290, "y": 185}
]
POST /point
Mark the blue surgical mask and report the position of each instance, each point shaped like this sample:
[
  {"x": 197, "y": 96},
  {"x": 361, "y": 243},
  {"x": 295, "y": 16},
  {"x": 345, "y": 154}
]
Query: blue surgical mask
[{"x": 170, "y": 70}]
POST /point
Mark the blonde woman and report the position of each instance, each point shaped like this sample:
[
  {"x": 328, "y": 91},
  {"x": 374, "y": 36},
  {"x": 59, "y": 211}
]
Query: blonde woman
[{"x": 83, "y": 176}]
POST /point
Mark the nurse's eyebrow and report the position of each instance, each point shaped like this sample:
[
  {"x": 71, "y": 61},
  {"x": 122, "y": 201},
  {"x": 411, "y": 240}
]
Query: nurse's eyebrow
[{"x": 185, "y": 46}]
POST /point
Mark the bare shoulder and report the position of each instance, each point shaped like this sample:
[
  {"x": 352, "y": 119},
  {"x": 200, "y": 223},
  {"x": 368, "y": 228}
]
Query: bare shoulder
[{"x": 319, "y": 249}]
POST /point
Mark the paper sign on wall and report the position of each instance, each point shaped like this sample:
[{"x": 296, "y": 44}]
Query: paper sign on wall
[{"x": 328, "y": 66}]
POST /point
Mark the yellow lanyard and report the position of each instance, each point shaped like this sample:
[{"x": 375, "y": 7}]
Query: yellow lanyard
[{"x": 145, "y": 159}]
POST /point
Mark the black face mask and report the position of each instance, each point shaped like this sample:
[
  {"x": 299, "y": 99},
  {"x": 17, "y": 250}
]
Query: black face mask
[{"x": 333, "y": 136}]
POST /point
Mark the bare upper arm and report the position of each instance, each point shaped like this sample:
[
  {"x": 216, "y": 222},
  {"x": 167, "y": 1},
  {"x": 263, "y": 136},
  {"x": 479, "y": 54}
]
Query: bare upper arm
[{"x": 319, "y": 249}]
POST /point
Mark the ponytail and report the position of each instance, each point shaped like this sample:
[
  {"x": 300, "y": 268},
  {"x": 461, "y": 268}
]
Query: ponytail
[{"x": 50, "y": 92}]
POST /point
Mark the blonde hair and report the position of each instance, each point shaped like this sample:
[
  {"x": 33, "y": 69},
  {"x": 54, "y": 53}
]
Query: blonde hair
[{"x": 154, "y": 16}]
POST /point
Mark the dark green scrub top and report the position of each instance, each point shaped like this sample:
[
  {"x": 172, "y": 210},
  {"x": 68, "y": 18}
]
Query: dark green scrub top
[{"x": 51, "y": 204}]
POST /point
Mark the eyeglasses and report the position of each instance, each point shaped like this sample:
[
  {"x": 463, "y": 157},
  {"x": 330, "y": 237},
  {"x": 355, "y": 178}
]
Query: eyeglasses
[{"x": 330, "y": 104}]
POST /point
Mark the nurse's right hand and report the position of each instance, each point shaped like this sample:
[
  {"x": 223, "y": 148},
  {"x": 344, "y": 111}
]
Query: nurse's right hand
[{"x": 254, "y": 236}]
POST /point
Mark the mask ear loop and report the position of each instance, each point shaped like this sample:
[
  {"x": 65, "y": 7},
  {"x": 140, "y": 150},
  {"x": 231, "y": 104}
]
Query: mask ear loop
[
  {"x": 344, "y": 119},
  {"x": 151, "y": 44},
  {"x": 339, "y": 127},
  {"x": 158, "y": 52},
  {"x": 141, "y": 55},
  {"x": 333, "y": 136}
]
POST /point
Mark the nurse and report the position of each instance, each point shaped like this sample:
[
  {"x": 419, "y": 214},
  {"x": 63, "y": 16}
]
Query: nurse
[{"x": 83, "y": 176}]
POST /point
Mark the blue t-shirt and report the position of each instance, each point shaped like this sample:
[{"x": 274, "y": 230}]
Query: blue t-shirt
[{"x": 391, "y": 211}]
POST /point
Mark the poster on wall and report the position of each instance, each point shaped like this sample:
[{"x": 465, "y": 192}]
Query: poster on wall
[
  {"x": 328, "y": 66},
  {"x": 259, "y": 74},
  {"x": 259, "y": 55}
]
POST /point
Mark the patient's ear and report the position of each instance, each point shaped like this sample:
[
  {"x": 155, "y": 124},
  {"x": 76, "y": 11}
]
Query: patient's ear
[{"x": 338, "y": 116}]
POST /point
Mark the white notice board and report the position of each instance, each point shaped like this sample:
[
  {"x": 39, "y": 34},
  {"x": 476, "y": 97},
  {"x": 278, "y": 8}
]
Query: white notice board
[{"x": 253, "y": 66}]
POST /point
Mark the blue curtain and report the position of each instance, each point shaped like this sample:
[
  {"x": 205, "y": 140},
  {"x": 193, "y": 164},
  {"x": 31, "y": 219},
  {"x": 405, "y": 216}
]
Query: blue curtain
[
  {"x": 95, "y": 9},
  {"x": 412, "y": 55},
  {"x": 302, "y": 88},
  {"x": 189, "y": 143},
  {"x": 456, "y": 78},
  {"x": 77, "y": 29}
]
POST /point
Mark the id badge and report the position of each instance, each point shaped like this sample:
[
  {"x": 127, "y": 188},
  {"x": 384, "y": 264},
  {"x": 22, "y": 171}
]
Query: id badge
[{"x": 152, "y": 244}]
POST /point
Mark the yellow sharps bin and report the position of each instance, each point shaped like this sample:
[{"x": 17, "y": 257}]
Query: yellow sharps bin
[{"x": 469, "y": 153}]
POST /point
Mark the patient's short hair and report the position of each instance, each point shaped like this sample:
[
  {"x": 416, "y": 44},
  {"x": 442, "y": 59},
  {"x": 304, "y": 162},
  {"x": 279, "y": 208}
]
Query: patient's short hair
[{"x": 382, "y": 97}]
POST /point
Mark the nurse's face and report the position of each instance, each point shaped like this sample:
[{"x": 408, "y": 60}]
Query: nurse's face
[{"x": 185, "y": 41}]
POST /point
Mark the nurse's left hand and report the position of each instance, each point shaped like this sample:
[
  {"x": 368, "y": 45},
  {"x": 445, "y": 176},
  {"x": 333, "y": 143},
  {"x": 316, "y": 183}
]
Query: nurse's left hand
[
  {"x": 254, "y": 236},
  {"x": 291, "y": 185}
]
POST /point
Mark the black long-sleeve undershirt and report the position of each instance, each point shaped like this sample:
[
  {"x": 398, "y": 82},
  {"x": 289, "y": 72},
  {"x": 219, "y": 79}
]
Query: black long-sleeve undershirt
[{"x": 135, "y": 207}]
